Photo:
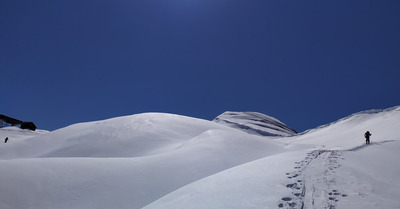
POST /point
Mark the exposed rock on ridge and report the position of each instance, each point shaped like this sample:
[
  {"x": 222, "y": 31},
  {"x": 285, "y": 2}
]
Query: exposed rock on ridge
[{"x": 255, "y": 123}]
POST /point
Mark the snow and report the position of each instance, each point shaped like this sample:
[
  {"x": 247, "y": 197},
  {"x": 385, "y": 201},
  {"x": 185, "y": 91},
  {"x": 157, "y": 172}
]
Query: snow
[
  {"x": 14, "y": 132},
  {"x": 255, "y": 123},
  {"x": 157, "y": 160},
  {"x": 257, "y": 184},
  {"x": 372, "y": 176}
]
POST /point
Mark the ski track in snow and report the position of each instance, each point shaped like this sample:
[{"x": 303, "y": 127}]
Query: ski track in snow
[{"x": 317, "y": 169}]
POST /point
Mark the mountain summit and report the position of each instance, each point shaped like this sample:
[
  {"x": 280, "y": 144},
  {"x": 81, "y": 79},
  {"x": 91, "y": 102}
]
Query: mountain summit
[{"x": 255, "y": 123}]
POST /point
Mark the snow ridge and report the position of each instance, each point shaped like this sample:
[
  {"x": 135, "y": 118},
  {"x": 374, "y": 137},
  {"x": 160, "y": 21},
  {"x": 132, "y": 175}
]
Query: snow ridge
[
  {"x": 361, "y": 113},
  {"x": 255, "y": 123}
]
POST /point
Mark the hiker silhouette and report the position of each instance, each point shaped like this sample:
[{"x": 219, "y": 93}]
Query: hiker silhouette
[
  {"x": 367, "y": 135},
  {"x": 5, "y": 141}
]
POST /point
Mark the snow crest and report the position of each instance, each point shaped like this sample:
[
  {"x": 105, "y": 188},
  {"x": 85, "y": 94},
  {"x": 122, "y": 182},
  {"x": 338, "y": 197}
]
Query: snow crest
[{"x": 255, "y": 123}]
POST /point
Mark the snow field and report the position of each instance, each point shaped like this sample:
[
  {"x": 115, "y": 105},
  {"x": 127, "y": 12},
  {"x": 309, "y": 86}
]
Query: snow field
[
  {"x": 157, "y": 160},
  {"x": 164, "y": 152},
  {"x": 257, "y": 184}
]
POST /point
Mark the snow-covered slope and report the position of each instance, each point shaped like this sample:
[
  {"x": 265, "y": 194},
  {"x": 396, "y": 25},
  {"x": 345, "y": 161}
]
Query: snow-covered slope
[
  {"x": 157, "y": 160},
  {"x": 16, "y": 133},
  {"x": 255, "y": 123},
  {"x": 129, "y": 136},
  {"x": 328, "y": 167},
  {"x": 124, "y": 162},
  {"x": 349, "y": 132}
]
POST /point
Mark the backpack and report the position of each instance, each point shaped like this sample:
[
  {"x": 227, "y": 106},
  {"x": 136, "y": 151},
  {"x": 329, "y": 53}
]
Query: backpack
[{"x": 367, "y": 134}]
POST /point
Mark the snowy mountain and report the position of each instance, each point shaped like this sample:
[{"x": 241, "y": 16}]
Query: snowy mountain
[
  {"x": 255, "y": 123},
  {"x": 157, "y": 160},
  {"x": 16, "y": 133}
]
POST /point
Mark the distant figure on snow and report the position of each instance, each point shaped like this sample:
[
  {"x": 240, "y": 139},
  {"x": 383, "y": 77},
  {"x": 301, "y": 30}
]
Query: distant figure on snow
[
  {"x": 367, "y": 135},
  {"x": 5, "y": 141}
]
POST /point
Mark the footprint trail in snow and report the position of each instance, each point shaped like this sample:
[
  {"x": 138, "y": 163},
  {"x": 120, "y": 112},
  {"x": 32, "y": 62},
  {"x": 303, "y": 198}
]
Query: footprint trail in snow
[{"x": 313, "y": 181}]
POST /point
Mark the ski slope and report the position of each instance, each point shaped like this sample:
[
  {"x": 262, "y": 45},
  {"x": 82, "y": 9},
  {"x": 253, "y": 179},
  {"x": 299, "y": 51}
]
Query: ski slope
[{"x": 156, "y": 160}]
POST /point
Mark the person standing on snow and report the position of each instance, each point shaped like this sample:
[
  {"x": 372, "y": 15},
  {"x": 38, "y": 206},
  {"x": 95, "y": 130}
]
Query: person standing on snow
[
  {"x": 5, "y": 141},
  {"x": 367, "y": 135}
]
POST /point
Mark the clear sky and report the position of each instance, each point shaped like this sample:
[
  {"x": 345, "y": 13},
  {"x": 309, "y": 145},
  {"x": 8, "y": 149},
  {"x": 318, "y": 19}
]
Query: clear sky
[{"x": 307, "y": 63}]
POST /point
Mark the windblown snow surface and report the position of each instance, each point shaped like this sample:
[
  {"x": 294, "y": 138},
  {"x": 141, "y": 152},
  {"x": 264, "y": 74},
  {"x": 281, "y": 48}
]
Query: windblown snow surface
[
  {"x": 156, "y": 160},
  {"x": 255, "y": 123}
]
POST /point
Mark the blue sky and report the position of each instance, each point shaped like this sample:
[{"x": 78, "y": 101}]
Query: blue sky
[{"x": 306, "y": 63}]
